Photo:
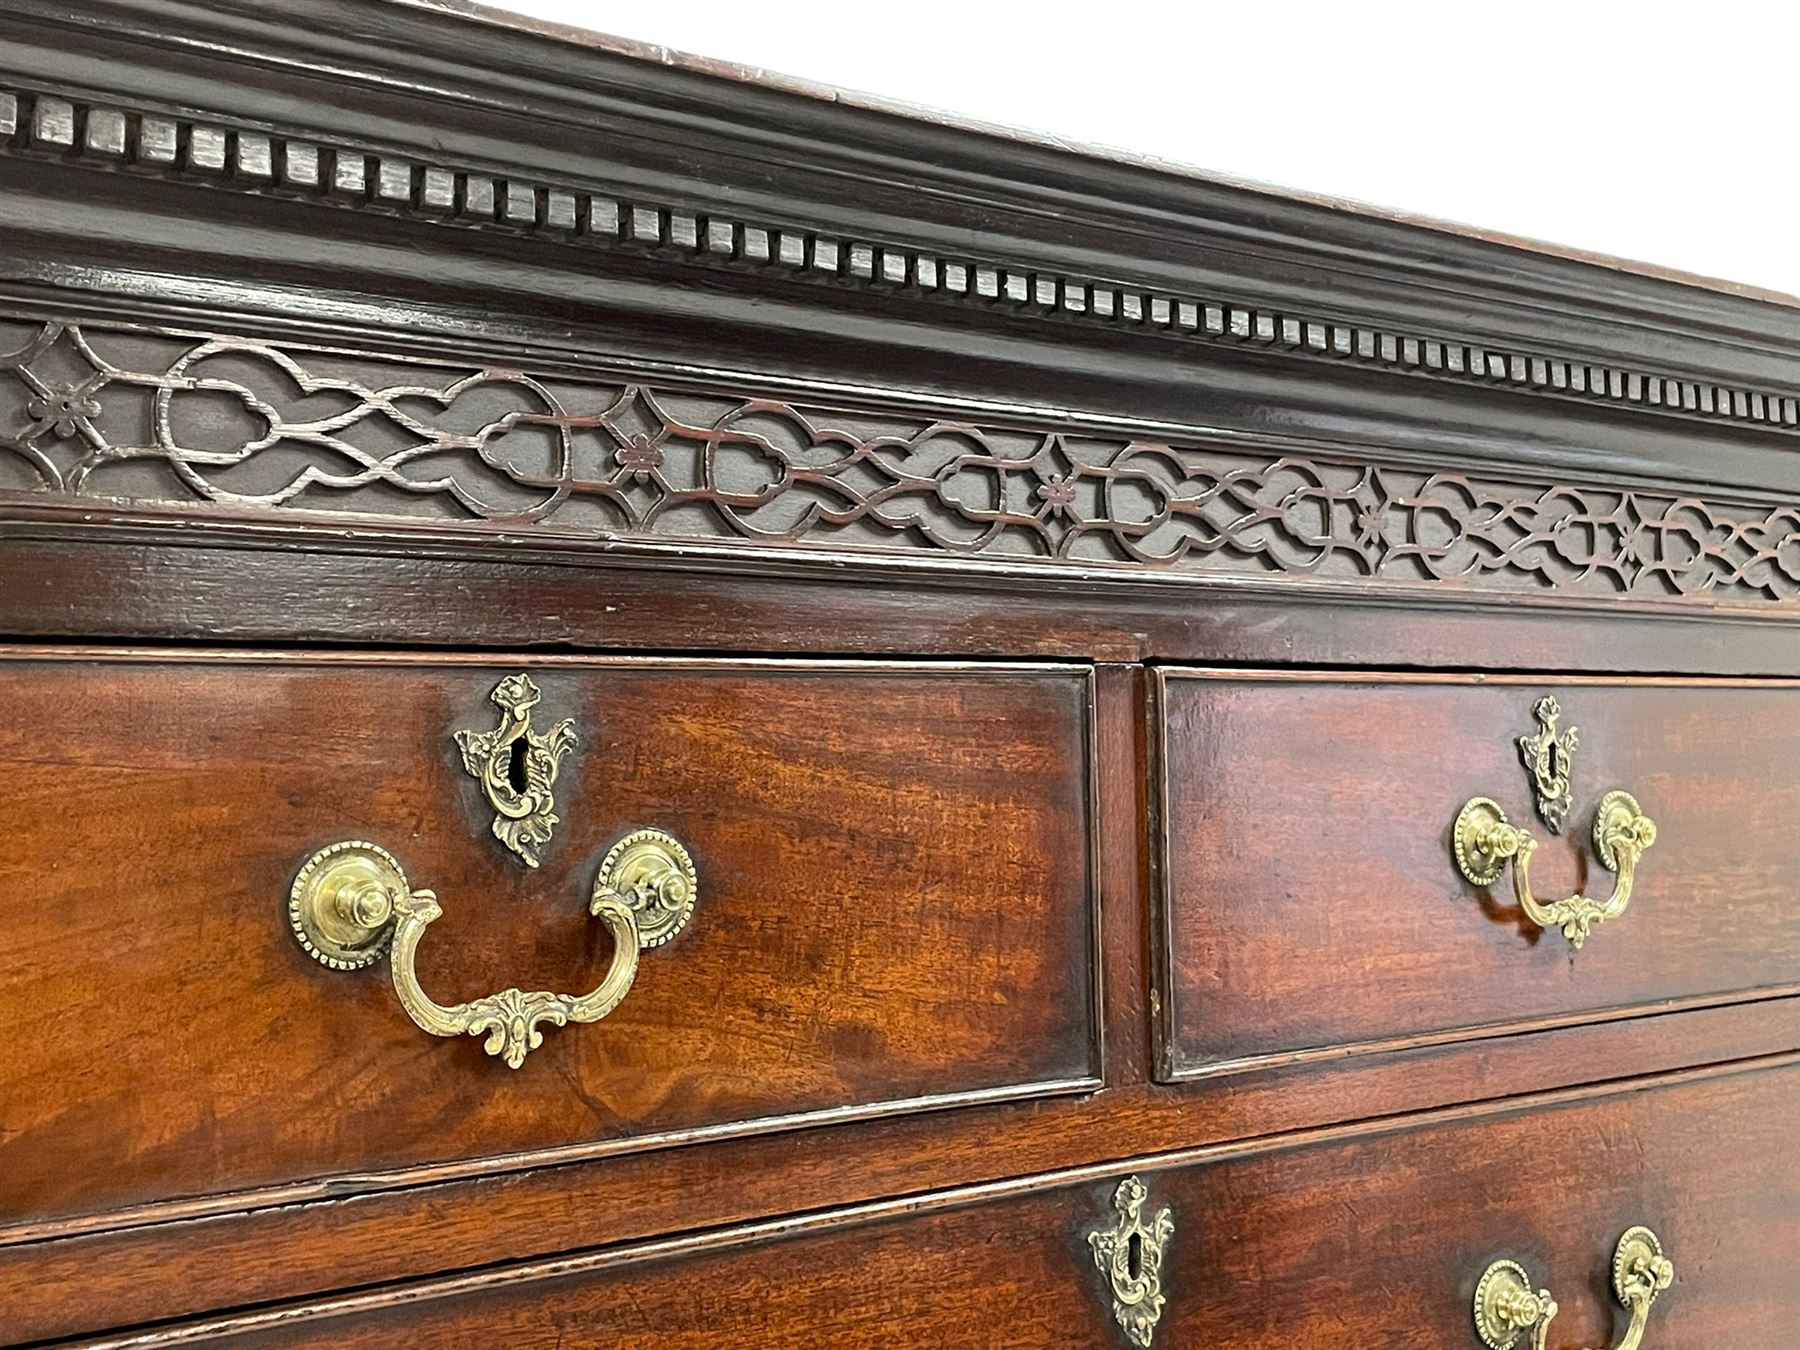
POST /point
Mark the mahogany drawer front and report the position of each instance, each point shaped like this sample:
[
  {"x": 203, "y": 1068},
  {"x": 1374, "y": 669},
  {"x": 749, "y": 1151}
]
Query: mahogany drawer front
[
  {"x": 1311, "y": 900},
  {"x": 895, "y": 912},
  {"x": 1377, "y": 1236}
]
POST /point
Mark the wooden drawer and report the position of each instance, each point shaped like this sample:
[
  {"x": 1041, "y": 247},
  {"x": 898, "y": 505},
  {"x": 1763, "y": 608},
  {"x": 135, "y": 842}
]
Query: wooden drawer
[
  {"x": 1376, "y": 1236},
  {"x": 1312, "y": 906},
  {"x": 895, "y": 913}
]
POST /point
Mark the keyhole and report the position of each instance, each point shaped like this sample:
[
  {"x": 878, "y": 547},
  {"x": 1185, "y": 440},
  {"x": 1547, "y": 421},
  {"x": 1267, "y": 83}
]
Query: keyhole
[
  {"x": 515, "y": 766},
  {"x": 1134, "y": 1256}
]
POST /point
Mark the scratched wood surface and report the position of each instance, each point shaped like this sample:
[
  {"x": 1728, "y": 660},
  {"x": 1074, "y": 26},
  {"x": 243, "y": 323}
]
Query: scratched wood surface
[
  {"x": 1312, "y": 902},
  {"x": 1374, "y": 1239},
  {"x": 84, "y": 579},
  {"x": 84, "y": 1284},
  {"x": 895, "y": 905}
]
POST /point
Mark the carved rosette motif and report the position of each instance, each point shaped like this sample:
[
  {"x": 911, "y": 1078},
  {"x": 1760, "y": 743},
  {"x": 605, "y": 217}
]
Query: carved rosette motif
[{"x": 209, "y": 421}]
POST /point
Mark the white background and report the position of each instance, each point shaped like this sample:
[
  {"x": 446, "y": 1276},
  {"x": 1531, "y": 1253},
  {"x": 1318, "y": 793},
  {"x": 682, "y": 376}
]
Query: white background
[{"x": 1662, "y": 133}]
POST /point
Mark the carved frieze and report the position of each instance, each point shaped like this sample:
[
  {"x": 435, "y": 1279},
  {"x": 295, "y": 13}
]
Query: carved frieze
[{"x": 153, "y": 416}]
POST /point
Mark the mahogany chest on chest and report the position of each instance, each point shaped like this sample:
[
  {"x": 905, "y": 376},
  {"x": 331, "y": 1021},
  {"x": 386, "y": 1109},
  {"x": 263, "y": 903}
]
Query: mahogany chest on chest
[{"x": 643, "y": 708}]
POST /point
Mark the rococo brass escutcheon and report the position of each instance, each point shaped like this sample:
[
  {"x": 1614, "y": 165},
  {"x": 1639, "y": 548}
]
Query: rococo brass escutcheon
[
  {"x": 351, "y": 899},
  {"x": 1548, "y": 757},
  {"x": 1129, "y": 1254},
  {"x": 1484, "y": 842},
  {"x": 1505, "y": 1307},
  {"x": 517, "y": 767}
]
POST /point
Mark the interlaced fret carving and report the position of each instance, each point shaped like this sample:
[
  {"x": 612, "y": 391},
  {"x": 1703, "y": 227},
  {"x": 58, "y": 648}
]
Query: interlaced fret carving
[{"x": 152, "y": 416}]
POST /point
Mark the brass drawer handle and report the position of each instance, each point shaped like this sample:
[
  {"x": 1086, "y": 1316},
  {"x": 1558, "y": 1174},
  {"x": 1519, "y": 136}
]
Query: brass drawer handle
[
  {"x": 1484, "y": 843},
  {"x": 1505, "y": 1307},
  {"x": 351, "y": 899}
]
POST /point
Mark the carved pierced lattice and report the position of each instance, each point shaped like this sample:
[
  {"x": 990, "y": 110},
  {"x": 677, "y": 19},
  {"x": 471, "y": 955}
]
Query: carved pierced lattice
[{"x": 149, "y": 416}]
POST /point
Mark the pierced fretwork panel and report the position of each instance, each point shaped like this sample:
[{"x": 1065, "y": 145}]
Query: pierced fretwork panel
[{"x": 136, "y": 415}]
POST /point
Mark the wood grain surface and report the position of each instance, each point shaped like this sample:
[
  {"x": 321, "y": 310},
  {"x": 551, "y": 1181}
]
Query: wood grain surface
[
  {"x": 1312, "y": 905},
  {"x": 82, "y": 572},
  {"x": 896, "y": 910},
  {"x": 1374, "y": 1239},
  {"x": 304, "y": 1239},
  {"x": 304, "y": 1248},
  {"x": 928, "y": 884}
]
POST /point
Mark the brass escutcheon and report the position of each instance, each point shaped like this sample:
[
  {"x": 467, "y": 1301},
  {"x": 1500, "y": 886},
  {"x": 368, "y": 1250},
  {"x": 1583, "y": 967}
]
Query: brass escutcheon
[
  {"x": 1129, "y": 1254},
  {"x": 1549, "y": 757},
  {"x": 517, "y": 767}
]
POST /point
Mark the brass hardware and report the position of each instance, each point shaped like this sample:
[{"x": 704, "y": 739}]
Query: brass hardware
[
  {"x": 350, "y": 898},
  {"x": 1484, "y": 843},
  {"x": 1505, "y": 1307},
  {"x": 341, "y": 902},
  {"x": 517, "y": 766},
  {"x": 1548, "y": 756},
  {"x": 654, "y": 876},
  {"x": 1130, "y": 1255}
]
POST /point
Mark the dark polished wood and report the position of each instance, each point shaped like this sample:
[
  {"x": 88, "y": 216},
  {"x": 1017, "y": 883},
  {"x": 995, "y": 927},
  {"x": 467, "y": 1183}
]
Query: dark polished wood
[
  {"x": 299, "y": 1242},
  {"x": 1376, "y": 1236},
  {"x": 104, "y": 576},
  {"x": 427, "y": 86},
  {"x": 870, "y": 487},
  {"x": 1312, "y": 906},
  {"x": 896, "y": 913},
  {"x": 83, "y": 1284}
]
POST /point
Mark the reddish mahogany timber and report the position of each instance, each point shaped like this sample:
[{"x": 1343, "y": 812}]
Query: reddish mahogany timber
[
  {"x": 1312, "y": 905},
  {"x": 1376, "y": 1236},
  {"x": 896, "y": 912}
]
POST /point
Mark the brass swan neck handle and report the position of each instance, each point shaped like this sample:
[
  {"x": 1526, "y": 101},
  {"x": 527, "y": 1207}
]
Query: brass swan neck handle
[
  {"x": 1505, "y": 1307},
  {"x": 351, "y": 899},
  {"x": 511, "y": 1019},
  {"x": 1484, "y": 843}
]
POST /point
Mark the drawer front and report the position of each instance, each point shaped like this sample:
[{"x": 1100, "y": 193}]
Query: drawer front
[
  {"x": 1379, "y": 1239},
  {"x": 1313, "y": 905},
  {"x": 894, "y": 912}
]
